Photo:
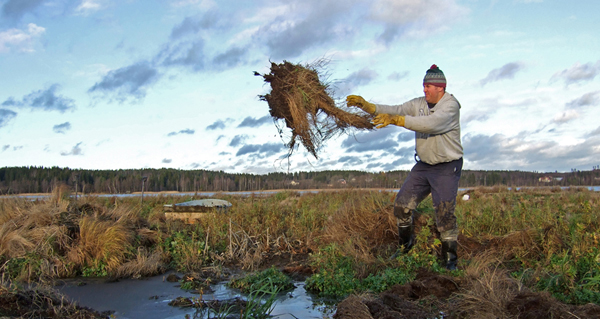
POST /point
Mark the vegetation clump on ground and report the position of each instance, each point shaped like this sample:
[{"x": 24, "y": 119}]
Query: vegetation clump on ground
[{"x": 523, "y": 253}]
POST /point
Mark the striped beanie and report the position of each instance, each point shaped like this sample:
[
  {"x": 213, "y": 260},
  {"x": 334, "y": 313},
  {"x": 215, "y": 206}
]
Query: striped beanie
[{"x": 435, "y": 76}]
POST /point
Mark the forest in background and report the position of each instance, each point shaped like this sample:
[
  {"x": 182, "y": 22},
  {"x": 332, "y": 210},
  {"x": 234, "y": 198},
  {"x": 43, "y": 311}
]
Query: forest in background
[{"x": 32, "y": 179}]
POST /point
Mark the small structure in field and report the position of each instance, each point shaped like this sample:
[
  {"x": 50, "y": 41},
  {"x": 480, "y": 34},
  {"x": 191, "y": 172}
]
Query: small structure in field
[
  {"x": 305, "y": 104},
  {"x": 196, "y": 209}
]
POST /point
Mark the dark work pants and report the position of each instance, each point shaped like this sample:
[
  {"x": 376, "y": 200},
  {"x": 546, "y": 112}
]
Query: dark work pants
[{"x": 441, "y": 181}]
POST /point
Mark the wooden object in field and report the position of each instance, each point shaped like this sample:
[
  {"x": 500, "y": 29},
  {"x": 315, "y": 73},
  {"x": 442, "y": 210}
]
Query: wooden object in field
[{"x": 195, "y": 210}]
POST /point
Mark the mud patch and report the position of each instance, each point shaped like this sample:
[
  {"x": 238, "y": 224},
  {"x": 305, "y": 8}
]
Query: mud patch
[{"x": 42, "y": 303}]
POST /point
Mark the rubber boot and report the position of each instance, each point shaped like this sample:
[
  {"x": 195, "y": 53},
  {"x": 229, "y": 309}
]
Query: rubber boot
[
  {"x": 405, "y": 241},
  {"x": 406, "y": 238},
  {"x": 449, "y": 256}
]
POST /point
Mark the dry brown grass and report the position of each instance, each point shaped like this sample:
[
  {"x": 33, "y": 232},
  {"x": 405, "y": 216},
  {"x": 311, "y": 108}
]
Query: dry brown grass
[
  {"x": 304, "y": 102},
  {"x": 144, "y": 264},
  {"x": 361, "y": 226},
  {"x": 125, "y": 215},
  {"x": 58, "y": 237},
  {"x": 488, "y": 289},
  {"x": 100, "y": 241},
  {"x": 29, "y": 227},
  {"x": 243, "y": 247},
  {"x": 13, "y": 241}
]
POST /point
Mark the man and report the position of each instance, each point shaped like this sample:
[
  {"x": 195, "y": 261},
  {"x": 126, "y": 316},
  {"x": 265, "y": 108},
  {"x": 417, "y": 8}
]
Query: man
[{"x": 435, "y": 118}]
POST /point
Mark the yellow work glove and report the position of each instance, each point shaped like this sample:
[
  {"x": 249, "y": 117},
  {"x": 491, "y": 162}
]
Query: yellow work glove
[
  {"x": 355, "y": 100},
  {"x": 383, "y": 120}
]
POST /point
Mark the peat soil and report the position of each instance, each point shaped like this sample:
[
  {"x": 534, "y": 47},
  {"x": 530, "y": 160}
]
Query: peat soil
[
  {"x": 432, "y": 295},
  {"x": 435, "y": 296},
  {"x": 42, "y": 303}
]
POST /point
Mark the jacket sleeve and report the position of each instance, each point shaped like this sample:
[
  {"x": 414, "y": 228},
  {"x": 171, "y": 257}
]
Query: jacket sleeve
[
  {"x": 445, "y": 118},
  {"x": 409, "y": 108}
]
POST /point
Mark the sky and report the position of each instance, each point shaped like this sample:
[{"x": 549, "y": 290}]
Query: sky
[{"x": 132, "y": 84}]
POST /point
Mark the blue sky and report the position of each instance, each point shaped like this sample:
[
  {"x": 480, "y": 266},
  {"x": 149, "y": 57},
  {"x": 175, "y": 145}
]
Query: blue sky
[{"x": 107, "y": 84}]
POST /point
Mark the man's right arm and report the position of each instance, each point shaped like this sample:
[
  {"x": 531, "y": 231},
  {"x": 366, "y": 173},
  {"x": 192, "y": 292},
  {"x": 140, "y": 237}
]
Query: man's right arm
[{"x": 407, "y": 108}]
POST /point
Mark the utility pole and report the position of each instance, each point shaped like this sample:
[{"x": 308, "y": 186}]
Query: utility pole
[
  {"x": 144, "y": 178},
  {"x": 76, "y": 184}
]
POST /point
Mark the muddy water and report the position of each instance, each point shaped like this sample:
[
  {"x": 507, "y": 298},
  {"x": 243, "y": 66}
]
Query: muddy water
[{"x": 149, "y": 298}]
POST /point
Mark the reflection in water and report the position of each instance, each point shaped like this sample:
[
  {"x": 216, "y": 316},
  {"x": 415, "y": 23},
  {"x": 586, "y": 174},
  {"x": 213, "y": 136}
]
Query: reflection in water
[{"x": 149, "y": 298}]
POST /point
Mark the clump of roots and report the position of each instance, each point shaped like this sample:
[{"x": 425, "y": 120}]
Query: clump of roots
[{"x": 305, "y": 104}]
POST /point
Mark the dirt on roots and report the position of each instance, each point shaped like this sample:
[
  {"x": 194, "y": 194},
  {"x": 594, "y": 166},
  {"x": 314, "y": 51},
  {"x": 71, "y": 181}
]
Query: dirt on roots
[{"x": 304, "y": 103}]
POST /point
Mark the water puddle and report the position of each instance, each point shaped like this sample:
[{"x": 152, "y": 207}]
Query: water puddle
[{"x": 149, "y": 298}]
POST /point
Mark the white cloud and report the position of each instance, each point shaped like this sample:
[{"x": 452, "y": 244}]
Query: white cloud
[
  {"x": 565, "y": 116},
  {"x": 88, "y": 6},
  {"x": 202, "y": 4},
  {"x": 415, "y": 17},
  {"x": 269, "y": 13},
  {"x": 75, "y": 151},
  {"x": 588, "y": 99},
  {"x": 578, "y": 73},
  {"x": 21, "y": 40},
  {"x": 507, "y": 71}
]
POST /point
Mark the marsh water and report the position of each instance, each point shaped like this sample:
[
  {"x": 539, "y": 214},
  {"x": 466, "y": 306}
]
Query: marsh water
[
  {"x": 254, "y": 193},
  {"x": 149, "y": 298}
]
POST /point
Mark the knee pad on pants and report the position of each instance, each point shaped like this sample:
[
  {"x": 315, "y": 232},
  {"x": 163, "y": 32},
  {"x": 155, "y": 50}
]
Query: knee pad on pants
[
  {"x": 404, "y": 215},
  {"x": 449, "y": 235}
]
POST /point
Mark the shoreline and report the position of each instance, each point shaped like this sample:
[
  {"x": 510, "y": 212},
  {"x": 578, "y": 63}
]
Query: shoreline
[
  {"x": 460, "y": 190},
  {"x": 207, "y": 192}
]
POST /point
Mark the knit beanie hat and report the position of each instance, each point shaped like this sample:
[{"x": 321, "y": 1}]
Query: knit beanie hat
[{"x": 435, "y": 76}]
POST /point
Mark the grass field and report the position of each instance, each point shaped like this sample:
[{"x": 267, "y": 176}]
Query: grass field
[{"x": 511, "y": 242}]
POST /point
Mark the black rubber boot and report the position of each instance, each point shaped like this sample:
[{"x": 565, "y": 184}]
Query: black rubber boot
[
  {"x": 406, "y": 238},
  {"x": 405, "y": 241},
  {"x": 449, "y": 256}
]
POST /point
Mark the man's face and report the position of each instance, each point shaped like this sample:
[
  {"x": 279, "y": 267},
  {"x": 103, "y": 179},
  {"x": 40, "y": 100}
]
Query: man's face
[{"x": 433, "y": 94}]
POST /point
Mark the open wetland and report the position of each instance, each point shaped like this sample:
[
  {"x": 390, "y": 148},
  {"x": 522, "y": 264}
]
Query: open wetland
[{"x": 523, "y": 253}]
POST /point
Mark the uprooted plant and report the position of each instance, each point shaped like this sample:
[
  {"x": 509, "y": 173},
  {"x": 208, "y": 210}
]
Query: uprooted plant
[{"x": 306, "y": 106}]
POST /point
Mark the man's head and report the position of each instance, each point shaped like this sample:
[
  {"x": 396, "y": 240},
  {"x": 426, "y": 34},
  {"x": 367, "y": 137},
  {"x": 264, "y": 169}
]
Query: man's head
[{"x": 434, "y": 84}]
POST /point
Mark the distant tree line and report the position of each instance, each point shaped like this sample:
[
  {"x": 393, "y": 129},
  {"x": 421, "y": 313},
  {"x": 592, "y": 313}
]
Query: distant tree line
[{"x": 18, "y": 180}]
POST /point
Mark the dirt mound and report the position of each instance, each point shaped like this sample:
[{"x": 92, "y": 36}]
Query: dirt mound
[
  {"x": 353, "y": 307},
  {"x": 417, "y": 299},
  {"x": 35, "y": 303},
  {"x": 305, "y": 104},
  {"x": 425, "y": 284},
  {"x": 434, "y": 296},
  {"x": 528, "y": 305}
]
